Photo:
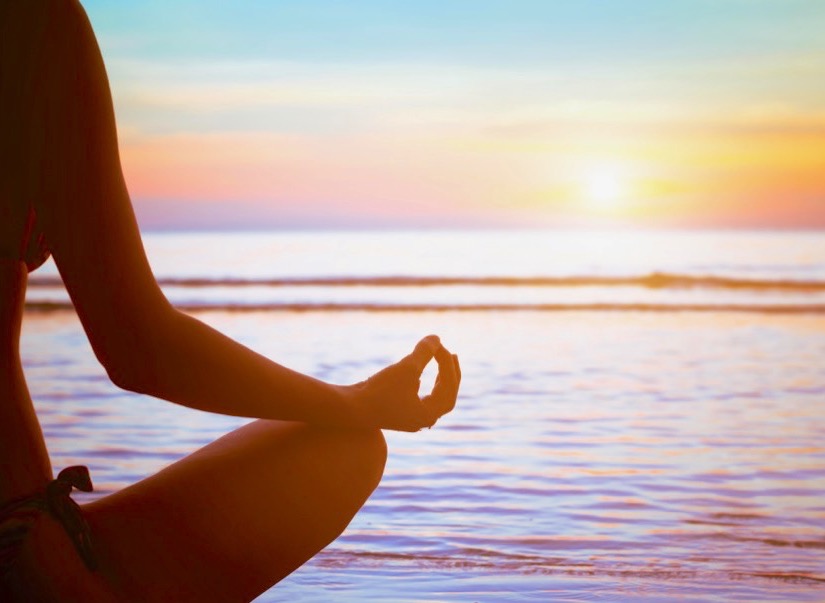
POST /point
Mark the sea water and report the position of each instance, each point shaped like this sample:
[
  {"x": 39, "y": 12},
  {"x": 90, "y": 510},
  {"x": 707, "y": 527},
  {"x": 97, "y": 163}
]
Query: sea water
[{"x": 642, "y": 415}]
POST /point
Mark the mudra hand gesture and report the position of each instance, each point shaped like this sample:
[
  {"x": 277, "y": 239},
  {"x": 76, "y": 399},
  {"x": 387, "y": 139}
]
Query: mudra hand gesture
[{"x": 389, "y": 399}]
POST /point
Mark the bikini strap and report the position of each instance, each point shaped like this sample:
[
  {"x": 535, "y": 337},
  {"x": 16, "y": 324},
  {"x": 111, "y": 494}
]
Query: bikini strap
[
  {"x": 18, "y": 516},
  {"x": 16, "y": 519},
  {"x": 68, "y": 512}
]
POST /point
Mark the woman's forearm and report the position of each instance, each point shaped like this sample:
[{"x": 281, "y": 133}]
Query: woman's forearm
[{"x": 187, "y": 362}]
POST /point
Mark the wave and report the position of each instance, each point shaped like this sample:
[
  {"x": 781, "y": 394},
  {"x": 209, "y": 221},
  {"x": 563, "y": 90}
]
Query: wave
[
  {"x": 654, "y": 280},
  {"x": 523, "y": 564},
  {"x": 49, "y": 306}
]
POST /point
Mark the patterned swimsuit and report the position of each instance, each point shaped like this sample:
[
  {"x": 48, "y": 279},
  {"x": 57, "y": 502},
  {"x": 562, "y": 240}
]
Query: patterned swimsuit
[{"x": 18, "y": 517}]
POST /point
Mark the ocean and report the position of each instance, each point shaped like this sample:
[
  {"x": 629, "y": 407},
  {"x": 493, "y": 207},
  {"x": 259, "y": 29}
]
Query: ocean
[{"x": 641, "y": 417}]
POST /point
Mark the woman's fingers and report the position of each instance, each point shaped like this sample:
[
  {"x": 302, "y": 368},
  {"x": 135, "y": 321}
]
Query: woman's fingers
[
  {"x": 427, "y": 410},
  {"x": 443, "y": 397},
  {"x": 423, "y": 353}
]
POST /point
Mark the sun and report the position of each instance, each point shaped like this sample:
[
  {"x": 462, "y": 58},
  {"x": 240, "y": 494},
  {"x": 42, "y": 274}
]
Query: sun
[{"x": 604, "y": 187}]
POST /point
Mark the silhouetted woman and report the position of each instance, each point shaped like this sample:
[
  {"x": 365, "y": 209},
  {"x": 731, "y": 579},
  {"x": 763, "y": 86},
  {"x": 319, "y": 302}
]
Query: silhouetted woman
[{"x": 230, "y": 520}]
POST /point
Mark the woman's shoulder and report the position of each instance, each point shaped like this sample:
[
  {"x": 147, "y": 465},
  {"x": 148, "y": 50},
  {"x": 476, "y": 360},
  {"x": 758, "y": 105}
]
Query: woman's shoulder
[
  {"x": 23, "y": 22},
  {"x": 29, "y": 29}
]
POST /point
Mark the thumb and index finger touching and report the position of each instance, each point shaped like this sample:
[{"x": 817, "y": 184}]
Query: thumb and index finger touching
[
  {"x": 424, "y": 352},
  {"x": 443, "y": 397}
]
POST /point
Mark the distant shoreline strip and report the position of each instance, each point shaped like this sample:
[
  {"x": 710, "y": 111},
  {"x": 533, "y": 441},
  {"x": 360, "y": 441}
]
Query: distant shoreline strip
[
  {"x": 655, "y": 280},
  {"x": 595, "y": 307}
]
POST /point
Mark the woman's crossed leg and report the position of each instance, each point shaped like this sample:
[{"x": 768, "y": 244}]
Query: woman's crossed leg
[{"x": 223, "y": 524}]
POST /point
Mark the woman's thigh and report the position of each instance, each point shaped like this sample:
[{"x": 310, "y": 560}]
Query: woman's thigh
[{"x": 238, "y": 515}]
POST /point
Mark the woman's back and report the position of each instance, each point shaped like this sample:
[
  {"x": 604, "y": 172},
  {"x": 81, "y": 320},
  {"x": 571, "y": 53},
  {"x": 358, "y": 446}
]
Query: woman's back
[
  {"x": 24, "y": 462},
  {"x": 25, "y": 52}
]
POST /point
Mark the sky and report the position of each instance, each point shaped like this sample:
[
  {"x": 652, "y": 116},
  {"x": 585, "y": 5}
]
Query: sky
[{"x": 469, "y": 113}]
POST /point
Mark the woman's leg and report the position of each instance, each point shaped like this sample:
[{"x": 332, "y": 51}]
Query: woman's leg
[
  {"x": 24, "y": 462},
  {"x": 237, "y": 516}
]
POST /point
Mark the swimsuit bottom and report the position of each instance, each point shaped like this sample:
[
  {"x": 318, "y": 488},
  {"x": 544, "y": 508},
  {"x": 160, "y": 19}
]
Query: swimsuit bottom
[{"x": 18, "y": 517}]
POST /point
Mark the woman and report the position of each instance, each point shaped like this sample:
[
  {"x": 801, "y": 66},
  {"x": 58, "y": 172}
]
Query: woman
[{"x": 235, "y": 517}]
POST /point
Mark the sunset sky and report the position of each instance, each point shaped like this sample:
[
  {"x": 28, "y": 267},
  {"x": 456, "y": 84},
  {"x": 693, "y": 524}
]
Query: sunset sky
[{"x": 469, "y": 113}]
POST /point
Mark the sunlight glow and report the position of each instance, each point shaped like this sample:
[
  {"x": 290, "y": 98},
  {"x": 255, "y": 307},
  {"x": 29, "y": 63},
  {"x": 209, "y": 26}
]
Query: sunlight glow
[
  {"x": 604, "y": 187},
  {"x": 359, "y": 121}
]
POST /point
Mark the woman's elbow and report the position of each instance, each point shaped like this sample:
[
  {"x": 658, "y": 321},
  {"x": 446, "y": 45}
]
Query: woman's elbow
[
  {"x": 128, "y": 370},
  {"x": 133, "y": 358},
  {"x": 127, "y": 376}
]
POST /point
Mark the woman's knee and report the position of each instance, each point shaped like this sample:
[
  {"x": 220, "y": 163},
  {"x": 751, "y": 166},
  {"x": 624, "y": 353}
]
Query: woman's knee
[
  {"x": 371, "y": 447},
  {"x": 358, "y": 456}
]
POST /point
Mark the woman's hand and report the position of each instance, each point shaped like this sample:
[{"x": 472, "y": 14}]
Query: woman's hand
[{"x": 389, "y": 399}]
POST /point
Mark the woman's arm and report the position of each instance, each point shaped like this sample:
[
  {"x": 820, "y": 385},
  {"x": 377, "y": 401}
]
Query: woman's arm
[{"x": 142, "y": 341}]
